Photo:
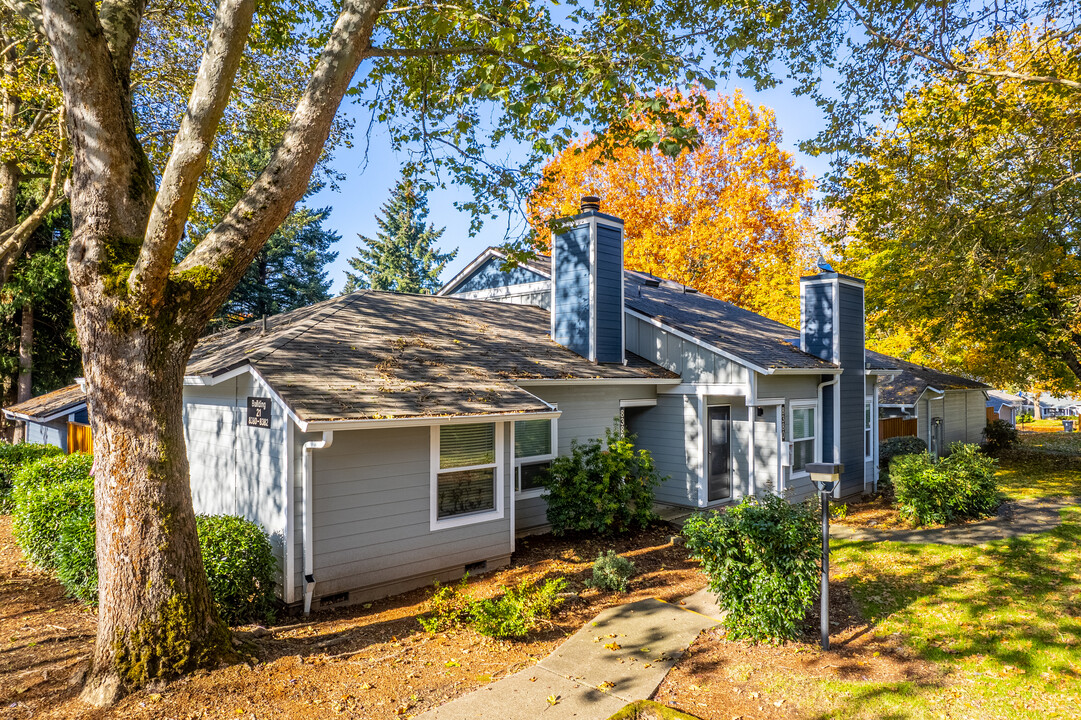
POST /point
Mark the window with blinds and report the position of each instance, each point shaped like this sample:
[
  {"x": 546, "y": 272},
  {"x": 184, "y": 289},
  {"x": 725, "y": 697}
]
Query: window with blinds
[
  {"x": 533, "y": 452},
  {"x": 465, "y": 482},
  {"x": 868, "y": 432},
  {"x": 803, "y": 437}
]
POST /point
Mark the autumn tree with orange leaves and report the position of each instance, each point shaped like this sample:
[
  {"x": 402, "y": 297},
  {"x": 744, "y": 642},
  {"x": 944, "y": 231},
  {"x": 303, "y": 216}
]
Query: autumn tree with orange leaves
[{"x": 731, "y": 219}]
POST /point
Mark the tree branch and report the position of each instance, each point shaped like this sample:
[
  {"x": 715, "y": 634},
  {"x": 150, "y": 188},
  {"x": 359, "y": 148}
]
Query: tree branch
[
  {"x": 30, "y": 11},
  {"x": 120, "y": 20},
  {"x": 192, "y": 145},
  {"x": 949, "y": 65},
  {"x": 13, "y": 241},
  {"x": 233, "y": 243}
]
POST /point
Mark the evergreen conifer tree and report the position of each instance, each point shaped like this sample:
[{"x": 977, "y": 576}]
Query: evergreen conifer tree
[{"x": 403, "y": 256}]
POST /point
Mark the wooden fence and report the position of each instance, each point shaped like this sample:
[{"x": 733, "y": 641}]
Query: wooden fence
[
  {"x": 896, "y": 427},
  {"x": 991, "y": 415},
  {"x": 79, "y": 438}
]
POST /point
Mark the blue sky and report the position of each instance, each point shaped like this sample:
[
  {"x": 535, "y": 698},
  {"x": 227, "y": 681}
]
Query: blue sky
[{"x": 367, "y": 186}]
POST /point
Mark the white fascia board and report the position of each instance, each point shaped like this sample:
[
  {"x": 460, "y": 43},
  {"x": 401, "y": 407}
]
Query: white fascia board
[
  {"x": 764, "y": 402},
  {"x": 534, "y": 382},
  {"x": 701, "y": 343},
  {"x": 211, "y": 380},
  {"x": 807, "y": 371},
  {"x": 44, "y": 418},
  {"x": 703, "y": 389},
  {"x": 423, "y": 421},
  {"x": 638, "y": 402}
]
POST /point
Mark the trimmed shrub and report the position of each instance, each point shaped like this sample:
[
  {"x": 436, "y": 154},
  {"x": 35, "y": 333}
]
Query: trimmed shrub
[
  {"x": 46, "y": 493},
  {"x": 12, "y": 459},
  {"x": 962, "y": 485},
  {"x": 519, "y": 610},
  {"x": 999, "y": 435},
  {"x": 611, "y": 571},
  {"x": 601, "y": 488},
  {"x": 76, "y": 556},
  {"x": 889, "y": 449},
  {"x": 448, "y": 607},
  {"x": 762, "y": 559},
  {"x": 240, "y": 567}
]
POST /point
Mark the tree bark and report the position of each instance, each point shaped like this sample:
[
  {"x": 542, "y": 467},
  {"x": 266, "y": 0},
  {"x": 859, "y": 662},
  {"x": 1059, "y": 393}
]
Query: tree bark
[{"x": 26, "y": 362}]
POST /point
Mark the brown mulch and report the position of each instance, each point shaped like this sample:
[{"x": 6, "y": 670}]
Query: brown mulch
[
  {"x": 719, "y": 679},
  {"x": 874, "y": 511},
  {"x": 368, "y": 661}
]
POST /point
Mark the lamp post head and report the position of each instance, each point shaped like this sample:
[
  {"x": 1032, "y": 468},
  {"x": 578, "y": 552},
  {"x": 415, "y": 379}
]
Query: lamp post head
[{"x": 825, "y": 476}]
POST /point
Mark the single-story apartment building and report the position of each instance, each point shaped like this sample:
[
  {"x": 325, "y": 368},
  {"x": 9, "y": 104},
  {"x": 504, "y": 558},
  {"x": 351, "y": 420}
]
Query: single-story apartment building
[
  {"x": 386, "y": 440},
  {"x": 1005, "y": 406},
  {"x": 947, "y": 408}
]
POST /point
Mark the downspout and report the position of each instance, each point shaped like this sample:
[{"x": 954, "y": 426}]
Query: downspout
[{"x": 309, "y": 530}]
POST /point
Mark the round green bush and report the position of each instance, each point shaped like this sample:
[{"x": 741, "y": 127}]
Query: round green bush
[
  {"x": 962, "y": 485},
  {"x": 12, "y": 459},
  {"x": 45, "y": 493},
  {"x": 999, "y": 435},
  {"x": 240, "y": 567},
  {"x": 601, "y": 488},
  {"x": 762, "y": 558},
  {"x": 611, "y": 572}
]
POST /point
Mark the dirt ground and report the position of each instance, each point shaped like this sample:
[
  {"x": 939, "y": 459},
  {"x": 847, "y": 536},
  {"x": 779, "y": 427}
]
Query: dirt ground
[
  {"x": 717, "y": 679},
  {"x": 370, "y": 661}
]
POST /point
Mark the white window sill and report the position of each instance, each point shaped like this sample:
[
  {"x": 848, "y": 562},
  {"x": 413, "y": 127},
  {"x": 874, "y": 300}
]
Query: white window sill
[{"x": 462, "y": 520}]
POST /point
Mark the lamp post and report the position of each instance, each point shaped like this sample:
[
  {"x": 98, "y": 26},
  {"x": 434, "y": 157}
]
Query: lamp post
[{"x": 825, "y": 476}]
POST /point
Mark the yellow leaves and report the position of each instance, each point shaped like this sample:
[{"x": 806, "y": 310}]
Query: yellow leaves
[{"x": 731, "y": 219}]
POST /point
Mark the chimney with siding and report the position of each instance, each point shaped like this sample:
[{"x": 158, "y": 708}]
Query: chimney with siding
[
  {"x": 832, "y": 328},
  {"x": 587, "y": 284}
]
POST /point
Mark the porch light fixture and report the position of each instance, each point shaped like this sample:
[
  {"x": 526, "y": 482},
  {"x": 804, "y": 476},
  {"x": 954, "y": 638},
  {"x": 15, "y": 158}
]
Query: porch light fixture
[{"x": 826, "y": 477}]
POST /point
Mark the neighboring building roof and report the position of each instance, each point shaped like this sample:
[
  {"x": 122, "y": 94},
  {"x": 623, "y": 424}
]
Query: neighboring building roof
[
  {"x": 905, "y": 388},
  {"x": 997, "y": 398},
  {"x": 50, "y": 405},
  {"x": 376, "y": 355}
]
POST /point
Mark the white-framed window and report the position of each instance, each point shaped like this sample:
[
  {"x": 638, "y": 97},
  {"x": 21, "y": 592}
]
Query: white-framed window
[
  {"x": 534, "y": 450},
  {"x": 802, "y": 426},
  {"x": 467, "y": 474},
  {"x": 868, "y": 428}
]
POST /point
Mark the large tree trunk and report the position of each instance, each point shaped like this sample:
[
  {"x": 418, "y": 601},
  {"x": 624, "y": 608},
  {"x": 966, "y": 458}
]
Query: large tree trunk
[
  {"x": 156, "y": 619},
  {"x": 26, "y": 353}
]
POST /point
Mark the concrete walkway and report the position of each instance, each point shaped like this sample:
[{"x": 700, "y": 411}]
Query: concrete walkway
[
  {"x": 1015, "y": 518},
  {"x": 619, "y": 657}
]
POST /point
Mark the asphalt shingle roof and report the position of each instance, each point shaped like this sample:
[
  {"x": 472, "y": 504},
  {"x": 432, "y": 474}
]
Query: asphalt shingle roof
[
  {"x": 52, "y": 403},
  {"x": 907, "y": 386},
  {"x": 373, "y": 355}
]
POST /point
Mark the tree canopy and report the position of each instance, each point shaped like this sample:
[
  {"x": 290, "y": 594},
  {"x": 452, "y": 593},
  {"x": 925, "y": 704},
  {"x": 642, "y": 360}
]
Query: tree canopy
[
  {"x": 403, "y": 256},
  {"x": 730, "y": 217},
  {"x": 964, "y": 218}
]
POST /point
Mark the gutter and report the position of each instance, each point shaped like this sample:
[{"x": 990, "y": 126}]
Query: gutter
[{"x": 309, "y": 530}]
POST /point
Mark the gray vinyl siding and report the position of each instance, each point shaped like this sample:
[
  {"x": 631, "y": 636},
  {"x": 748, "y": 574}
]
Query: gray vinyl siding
[
  {"x": 671, "y": 432},
  {"x": 587, "y": 410},
  {"x": 236, "y": 469},
  {"x": 790, "y": 387},
  {"x": 490, "y": 275},
  {"x": 537, "y": 298},
  {"x": 50, "y": 433},
  {"x": 694, "y": 363},
  {"x": 571, "y": 302},
  {"x": 766, "y": 461},
  {"x": 963, "y": 414},
  {"x": 853, "y": 389},
  {"x": 609, "y": 294},
  {"x": 371, "y": 506}
]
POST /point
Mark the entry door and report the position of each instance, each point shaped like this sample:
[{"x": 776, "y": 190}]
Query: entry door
[{"x": 720, "y": 462}]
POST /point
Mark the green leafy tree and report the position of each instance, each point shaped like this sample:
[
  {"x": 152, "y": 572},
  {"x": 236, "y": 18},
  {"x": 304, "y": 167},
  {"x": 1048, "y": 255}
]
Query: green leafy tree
[
  {"x": 403, "y": 256},
  {"x": 454, "y": 84},
  {"x": 963, "y": 217}
]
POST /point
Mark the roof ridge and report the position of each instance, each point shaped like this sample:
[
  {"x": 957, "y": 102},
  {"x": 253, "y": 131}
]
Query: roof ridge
[{"x": 305, "y": 325}]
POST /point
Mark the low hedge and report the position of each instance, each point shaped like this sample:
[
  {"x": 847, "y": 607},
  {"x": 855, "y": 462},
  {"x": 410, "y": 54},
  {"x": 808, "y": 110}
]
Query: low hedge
[
  {"x": 12, "y": 459},
  {"x": 54, "y": 525},
  {"x": 962, "y": 485}
]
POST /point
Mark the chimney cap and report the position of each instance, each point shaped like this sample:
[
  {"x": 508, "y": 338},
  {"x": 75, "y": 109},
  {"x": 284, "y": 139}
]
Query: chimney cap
[{"x": 590, "y": 202}]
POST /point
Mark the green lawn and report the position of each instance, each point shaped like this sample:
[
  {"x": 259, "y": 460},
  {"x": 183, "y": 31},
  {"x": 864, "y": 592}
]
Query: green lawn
[{"x": 1002, "y": 620}]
